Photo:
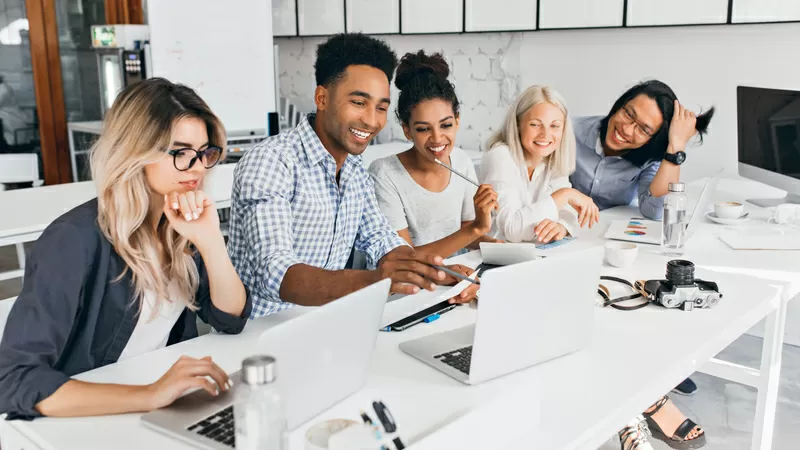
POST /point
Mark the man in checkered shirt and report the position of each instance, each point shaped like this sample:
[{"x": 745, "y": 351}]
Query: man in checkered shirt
[{"x": 303, "y": 200}]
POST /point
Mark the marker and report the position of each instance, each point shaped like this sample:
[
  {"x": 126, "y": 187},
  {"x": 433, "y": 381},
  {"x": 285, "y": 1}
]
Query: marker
[{"x": 388, "y": 422}]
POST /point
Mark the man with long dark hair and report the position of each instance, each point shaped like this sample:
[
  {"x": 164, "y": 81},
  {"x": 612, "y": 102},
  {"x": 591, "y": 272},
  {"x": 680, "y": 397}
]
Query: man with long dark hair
[{"x": 636, "y": 150}]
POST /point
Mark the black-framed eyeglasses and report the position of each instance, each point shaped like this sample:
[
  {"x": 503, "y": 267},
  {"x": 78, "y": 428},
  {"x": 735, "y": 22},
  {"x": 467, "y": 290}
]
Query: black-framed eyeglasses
[
  {"x": 184, "y": 158},
  {"x": 630, "y": 117}
]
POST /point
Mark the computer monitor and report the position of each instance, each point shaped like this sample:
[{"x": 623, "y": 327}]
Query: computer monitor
[{"x": 769, "y": 140}]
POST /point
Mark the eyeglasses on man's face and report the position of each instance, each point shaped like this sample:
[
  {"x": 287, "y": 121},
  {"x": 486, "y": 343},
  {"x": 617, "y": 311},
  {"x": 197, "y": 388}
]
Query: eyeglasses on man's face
[{"x": 643, "y": 132}]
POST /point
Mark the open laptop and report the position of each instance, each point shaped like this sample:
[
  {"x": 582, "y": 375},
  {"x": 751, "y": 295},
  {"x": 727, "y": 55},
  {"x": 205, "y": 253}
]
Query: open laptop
[
  {"x": 645, "y": 231},
  {"x": 322, "y": 357},
  {"x": 528, "y": 313}
]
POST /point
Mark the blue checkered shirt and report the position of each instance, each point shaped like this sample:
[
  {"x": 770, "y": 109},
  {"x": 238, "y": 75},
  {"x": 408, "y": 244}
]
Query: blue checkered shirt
[{"x": 287, "y": 209}]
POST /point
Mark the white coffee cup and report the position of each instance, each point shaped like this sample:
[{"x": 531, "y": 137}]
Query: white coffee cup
[
  {"x": 621, "y": 254},
  {"x": 728, "y": 210}
]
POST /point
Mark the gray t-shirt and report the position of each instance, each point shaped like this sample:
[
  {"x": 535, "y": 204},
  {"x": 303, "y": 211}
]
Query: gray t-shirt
[{"x": 429, "y": 216}]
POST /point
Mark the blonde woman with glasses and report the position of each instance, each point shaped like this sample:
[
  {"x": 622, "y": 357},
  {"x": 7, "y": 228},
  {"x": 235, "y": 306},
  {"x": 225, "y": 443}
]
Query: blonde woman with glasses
[
  {"x": 128, "y": 272},
  {"x": 528, "y": 163}
]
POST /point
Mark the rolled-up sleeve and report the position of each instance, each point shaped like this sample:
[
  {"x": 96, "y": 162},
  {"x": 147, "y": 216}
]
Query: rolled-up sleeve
[
  {"x": 42, "y": 319},
  {"x": 210, "y": 314},
  {"x": 650, "y": 206},
  {"x": 375, "y": 237}
]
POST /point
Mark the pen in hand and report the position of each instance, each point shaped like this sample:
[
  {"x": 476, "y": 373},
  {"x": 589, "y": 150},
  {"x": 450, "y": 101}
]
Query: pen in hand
[{"x": 455, "y": 274}]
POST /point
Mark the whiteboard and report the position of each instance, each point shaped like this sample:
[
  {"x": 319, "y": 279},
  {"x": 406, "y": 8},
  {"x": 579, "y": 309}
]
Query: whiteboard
[{"x": 223, "y": 50}]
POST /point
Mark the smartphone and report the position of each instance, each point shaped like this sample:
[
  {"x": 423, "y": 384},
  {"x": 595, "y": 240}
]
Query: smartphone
[{"x": 407, "y": 322}]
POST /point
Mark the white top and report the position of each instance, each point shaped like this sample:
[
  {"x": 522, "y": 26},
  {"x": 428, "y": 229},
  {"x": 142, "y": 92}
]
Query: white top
[
  {"x": 429, "y": 216},
  {"x": 154, "y": 325},
  {"x": 523, "y": 202}
]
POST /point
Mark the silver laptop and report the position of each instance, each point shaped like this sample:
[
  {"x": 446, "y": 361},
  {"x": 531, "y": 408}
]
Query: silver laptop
[
  {"x": 649, "y": 232},
  {"x": 322, "y": 357},
  {"x": 528, "y": 313}
]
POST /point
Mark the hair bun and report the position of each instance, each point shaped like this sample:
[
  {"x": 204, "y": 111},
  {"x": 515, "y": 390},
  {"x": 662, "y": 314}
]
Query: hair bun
[{"x": 417, "y": 64}]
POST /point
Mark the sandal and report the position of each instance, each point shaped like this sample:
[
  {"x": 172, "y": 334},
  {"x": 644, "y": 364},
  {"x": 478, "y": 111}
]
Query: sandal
[
  {"x": 634, "y": 435},
  {"x": 680, "y": 439}
]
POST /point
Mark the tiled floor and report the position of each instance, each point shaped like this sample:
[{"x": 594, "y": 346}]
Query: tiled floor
[{"x": 723, "y": 408}]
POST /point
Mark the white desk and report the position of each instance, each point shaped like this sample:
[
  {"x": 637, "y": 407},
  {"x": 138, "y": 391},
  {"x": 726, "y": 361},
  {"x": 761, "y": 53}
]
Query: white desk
[
  {"x": 27, "y": 212},
  {"x": 31, "y": 210},
  {"x": 575, "y": 402}
]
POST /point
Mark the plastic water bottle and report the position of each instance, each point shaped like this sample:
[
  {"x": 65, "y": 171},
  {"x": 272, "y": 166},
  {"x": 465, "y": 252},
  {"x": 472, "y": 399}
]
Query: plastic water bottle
[
  {"x": 258, "y": 413},
  {"x": 675, "y": 221}
]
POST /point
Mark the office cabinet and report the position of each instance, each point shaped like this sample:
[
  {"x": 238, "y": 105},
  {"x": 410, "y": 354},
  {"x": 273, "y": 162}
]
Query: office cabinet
[
  {"x": 745, "y": 11},
  {"x": 432, "y": 16},
  {"x": 580, "y": 13},
  {"x": 373, "y": 16},
  {"x": 676, "y": 12},
  {"x": 320, "y": 17},
  {"x": 499, "y": 15},
  {"x": 284, "y": 18}
]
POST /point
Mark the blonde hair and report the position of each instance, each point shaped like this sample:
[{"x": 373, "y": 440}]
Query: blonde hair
[
  {"x": 562, "y": 161},
  {"x": 137, "y": 131}
]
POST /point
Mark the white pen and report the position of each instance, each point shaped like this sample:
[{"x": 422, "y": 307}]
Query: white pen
[
  {"x": 456, "y": 172},
  {"x": 436, "y": 160}
]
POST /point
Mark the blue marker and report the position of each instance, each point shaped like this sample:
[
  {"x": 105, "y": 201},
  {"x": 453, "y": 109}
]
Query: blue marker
[{"x": 431, "y": 318}]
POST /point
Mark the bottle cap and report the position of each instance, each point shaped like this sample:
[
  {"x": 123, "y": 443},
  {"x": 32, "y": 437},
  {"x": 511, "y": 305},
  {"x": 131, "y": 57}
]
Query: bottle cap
[
  {"x": 259, "y": 369},
  {"x": 677, "y": 187}
]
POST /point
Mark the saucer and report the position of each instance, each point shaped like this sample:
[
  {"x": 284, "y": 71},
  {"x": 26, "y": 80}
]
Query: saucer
[{"x": 741, "y": 219}]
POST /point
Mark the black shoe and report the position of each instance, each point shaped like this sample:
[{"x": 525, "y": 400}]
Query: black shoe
[{"x": 687, "y": 387}]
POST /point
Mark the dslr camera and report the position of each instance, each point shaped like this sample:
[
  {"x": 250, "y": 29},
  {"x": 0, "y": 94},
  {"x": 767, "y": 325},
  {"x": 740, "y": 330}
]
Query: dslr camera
[{"x": 681, "y": 289}]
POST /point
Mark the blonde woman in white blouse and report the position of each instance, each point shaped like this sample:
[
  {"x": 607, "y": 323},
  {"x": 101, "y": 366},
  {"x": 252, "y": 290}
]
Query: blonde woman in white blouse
[{"x": 528, "y": 164}]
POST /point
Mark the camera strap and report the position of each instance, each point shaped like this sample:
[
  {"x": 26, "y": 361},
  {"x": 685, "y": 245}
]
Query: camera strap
[{"x": 637, "y": 287}]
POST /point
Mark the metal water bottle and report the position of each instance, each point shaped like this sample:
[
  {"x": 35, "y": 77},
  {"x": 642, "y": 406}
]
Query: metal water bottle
[
  {"x": 259, "y": 417},
  {"x": 675, "y": 221}
]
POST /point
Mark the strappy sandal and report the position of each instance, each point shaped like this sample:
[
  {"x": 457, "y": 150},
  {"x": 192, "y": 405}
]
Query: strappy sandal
[
  {"x": 679, "y": 440},
  {"x": 634, "y": 435}
]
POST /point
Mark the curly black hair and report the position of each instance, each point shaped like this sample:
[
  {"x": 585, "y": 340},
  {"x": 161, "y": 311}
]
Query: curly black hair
[
  {"x": 656, "y": 147},
  {"x": 348, "y": 49},
  {"x": 423, "y": 77}
]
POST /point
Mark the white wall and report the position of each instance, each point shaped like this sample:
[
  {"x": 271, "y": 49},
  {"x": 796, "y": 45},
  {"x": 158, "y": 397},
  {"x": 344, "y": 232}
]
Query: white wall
[
  {"x": 703, "y": 65},
  {"x": 591, "y": 68},
  {"x": 484, "y": 68}
]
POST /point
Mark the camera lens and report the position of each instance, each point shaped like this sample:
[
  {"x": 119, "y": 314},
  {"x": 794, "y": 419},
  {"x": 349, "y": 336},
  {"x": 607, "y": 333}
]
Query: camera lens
[{"x": 680, "y": 272}]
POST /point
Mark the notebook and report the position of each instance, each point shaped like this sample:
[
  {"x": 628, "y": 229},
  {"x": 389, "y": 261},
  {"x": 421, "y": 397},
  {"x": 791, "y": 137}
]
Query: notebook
[
  {"x": 765, "y": 238},
  {"x": 645, "y": 231}
]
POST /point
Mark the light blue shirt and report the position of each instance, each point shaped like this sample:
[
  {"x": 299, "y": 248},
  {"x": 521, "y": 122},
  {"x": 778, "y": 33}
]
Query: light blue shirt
[
  {"x": 287, "y": 209},
  {"x": 611, "y": 180}
]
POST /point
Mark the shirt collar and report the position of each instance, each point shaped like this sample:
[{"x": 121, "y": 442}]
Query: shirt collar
[
  {"x": 316, "y": 152},
  {"x": 598, "y": 147},
  {"x": 312, "y": 146}
]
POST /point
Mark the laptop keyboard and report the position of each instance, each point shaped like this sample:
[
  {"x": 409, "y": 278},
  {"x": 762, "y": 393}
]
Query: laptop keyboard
[
  {"x": 218, "y": 427},
  {"x": 458, "y": 359}
]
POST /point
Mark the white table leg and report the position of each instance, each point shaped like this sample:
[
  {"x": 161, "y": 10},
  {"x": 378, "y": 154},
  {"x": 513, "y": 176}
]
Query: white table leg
[
  {"x": 21, "y": 254},
  {"x": 771, "y": 355}
]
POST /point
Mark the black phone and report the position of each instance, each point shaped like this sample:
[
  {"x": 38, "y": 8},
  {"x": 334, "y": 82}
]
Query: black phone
[{"x": 407, "y": 322}]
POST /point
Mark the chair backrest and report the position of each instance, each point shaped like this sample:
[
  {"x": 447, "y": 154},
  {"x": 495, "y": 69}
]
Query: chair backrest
[
  {"x": 5, "y": 309},
  {"x": 19, "y": 167}
]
